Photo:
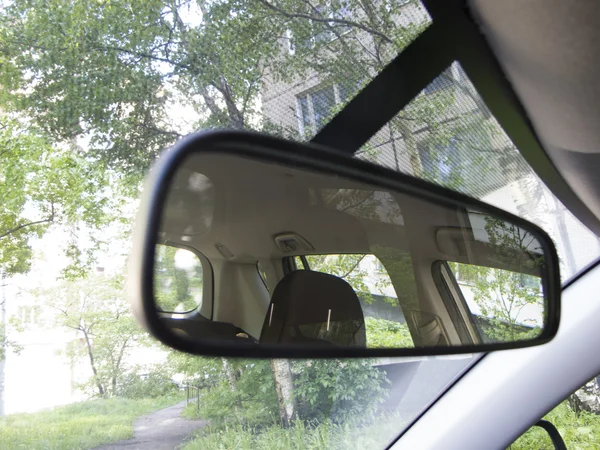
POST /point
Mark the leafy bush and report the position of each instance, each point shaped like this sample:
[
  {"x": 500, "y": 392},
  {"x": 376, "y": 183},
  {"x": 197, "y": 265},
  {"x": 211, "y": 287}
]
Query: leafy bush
[
  {"x": 142, "y": 382},
  {"x": 324, "y": 390},
  {"x": 252, "y": 403},
  {"x": 196, "y": 370},
  {"x": 338, "y": 390},
  {"x": 383, "y": 333}
]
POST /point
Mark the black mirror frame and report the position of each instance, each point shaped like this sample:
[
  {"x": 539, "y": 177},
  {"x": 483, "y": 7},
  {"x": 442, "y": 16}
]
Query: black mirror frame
[{"x": 320, "y": 159}]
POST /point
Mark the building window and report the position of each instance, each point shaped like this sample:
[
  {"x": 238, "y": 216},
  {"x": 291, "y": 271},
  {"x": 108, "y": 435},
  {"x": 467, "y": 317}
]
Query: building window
[
  {"x": 315, "y": 108},
  {"x": 440, "y": 161},
  {"x": 29, "y": 315}
]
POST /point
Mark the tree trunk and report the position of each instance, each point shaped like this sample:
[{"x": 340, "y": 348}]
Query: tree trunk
[
  {"x": 282, "y": 376},
  {"x": 587, "y": 398},
  {"x": 92, "y": 363},
  {"x": 117, "y": 366},
  {"x": 410, "y": 144},
  {"x": 232, "y": 379}
]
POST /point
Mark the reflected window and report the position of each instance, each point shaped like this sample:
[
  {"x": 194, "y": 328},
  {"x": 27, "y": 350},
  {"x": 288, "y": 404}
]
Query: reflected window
[
  {"x": 505, "y": 305},
  {"x": 385, "y": 324},
  {"x": 178, "y": 279}
]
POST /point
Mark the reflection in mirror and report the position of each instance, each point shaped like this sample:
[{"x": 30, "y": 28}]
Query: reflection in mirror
[
  {"x": 178, "y": 283},
  {"x": 506, "y": 305},
  {"x": 303, "y": 258},
  {"x": 385, "y": 324}
]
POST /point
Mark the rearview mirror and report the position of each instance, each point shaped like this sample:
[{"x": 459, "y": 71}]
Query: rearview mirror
[{"x": 247, "y": 245}]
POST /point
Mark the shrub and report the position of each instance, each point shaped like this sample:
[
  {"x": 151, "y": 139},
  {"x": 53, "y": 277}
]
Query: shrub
[
  {"x": 143, "y": 382},
  {"x": 253, "y": 402},
  {"x": 383, "y": 333},
  {"x": 324, "y": 390},
  {"x": 338, "y": 390},
  {"x": 579, "y": 430}
]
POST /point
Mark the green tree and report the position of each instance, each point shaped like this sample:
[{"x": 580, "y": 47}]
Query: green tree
[
  {"x": 111, "y": 70},
  {"x": 41, "y": 186},
  {"x": 336, "y": 390},
  {"x": 114, "y": 71},
  {"x": 503, "y": 295},
  {"x": 106, "y": 332}
]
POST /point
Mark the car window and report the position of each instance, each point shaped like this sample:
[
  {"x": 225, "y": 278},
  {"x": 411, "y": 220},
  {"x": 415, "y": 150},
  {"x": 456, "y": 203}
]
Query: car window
[
  {"x": 577, "y": 419},
  {"x": 504, "y": 304},
  {"x": 178, "y": 278},
  {"x": 384, "y": 320}
]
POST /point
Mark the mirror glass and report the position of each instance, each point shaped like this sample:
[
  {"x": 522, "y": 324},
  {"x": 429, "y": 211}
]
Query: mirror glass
[
  {"x": 178, "y": 283},
  {"x": 301, "y": 257}
]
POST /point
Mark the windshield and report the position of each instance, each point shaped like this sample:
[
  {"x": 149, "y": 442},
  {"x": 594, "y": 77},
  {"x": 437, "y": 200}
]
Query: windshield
[
  {"x": 448, "y": 136},
  {"x": 90, "y": 93}
]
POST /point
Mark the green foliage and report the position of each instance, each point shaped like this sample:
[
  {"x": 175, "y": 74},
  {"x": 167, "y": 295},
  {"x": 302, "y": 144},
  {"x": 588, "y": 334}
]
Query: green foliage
[
  {"x": 251, "y": 400},
  {"x": 40, "y": 186},
  {"x": 111, "y": 71},
  {"x": 383, "y": 333},
  {"x": 198, "y": 371},
  {"x": 111, "y": 74},
  {"x": 96, "y": 308},
  {"x": 338, "y": 390},
  {"x": 77, "y": 426},
  {"x": 578, "y": 430},
  {"x": 350, "y": 268},
  {"x": 147, "y": 382},
  {"x": 350, "y": 435},
  {"x": 506, "y": 297},
  {"x": 177, "y": 285},
  {"x": 335, "y": 390},
  {"x": 501, "y": 297}
]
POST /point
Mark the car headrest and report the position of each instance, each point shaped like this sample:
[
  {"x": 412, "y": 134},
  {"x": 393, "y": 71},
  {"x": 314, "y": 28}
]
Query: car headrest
[{"x": 314, "y": 308}]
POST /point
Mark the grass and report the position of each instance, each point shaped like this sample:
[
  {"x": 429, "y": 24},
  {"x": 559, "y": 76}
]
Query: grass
[
  {"x": 78, "y": 426},
  {"x": 298, "y": 436},
  {"x": 190, "y": 411},
  {"x": 579, "y": 431}
]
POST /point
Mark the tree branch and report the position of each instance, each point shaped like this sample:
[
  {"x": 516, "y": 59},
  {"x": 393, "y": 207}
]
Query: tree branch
[
  {"x": 174, "y": 134},
  {"x": 37, "y": 222},
  {"x": 349, "y": 23},
  {"x": 353, "y": 267}
]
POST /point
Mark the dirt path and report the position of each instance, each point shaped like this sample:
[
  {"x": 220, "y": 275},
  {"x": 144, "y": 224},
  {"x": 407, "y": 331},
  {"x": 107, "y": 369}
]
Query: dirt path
[{"x": 161, "y": 430}]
